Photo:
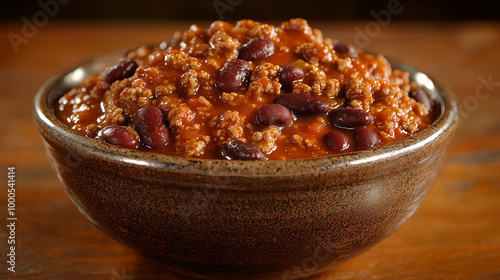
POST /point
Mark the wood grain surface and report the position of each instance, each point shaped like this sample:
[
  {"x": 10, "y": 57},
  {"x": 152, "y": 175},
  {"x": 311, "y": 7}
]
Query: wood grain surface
[{"x": 455, "y": 234}]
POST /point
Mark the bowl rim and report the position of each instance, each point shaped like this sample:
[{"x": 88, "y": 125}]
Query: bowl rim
[{"x": 45, "y": 120}]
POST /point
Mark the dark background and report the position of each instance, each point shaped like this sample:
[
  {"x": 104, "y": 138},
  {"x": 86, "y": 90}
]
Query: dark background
[{"x": 253, "y": 9}]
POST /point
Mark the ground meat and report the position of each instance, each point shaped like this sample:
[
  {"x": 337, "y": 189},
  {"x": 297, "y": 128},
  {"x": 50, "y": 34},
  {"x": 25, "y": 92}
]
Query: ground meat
[
  {"x": 297, "y": 139},
  {"x": 263, "y": 30},
  {"x": 228, "y": 126},
  {"x": 264, "y": 81},
  {"x": 181, "y": 117},
  {"x": 217, "y": 26},
  {"x": 200, "y": 104},
  {"x": 315, "y": 52},
  {"x": 332, "y": 88},
  {"x": 402, "y": 79},
  {"x": 344, "y": 65},
  {"x": 314, "y": 74},
  {"x": 189, "y": 81},
  {"x": 181, "y": 61},
  {"x": 189, "y": 138},
  {"x": 168, "y": 102},
  {"x": 301, "y": 88},
  {"x": 225, "y": 45},
  {"x": 167, "y": 88},
  {"x": 359, "y": 94},
  {"x": 389, "y": 94},
  {"x": 194, "y": 36},
  {"x": 300, "y": 25},
  {"x": 234, "y": 99},
  {"x": 191, "y": 142},
  {"x": 266, "y": 140},
  {"x": 242, "y": 29}
]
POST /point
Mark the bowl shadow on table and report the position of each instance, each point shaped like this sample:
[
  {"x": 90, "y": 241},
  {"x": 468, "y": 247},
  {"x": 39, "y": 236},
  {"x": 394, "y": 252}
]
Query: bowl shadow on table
[{"x": 142, "y": 268}]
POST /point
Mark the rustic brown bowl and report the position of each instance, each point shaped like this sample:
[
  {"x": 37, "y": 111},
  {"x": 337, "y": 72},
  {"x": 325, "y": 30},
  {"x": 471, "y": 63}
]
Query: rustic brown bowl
[{"x": 217, "y": 219}]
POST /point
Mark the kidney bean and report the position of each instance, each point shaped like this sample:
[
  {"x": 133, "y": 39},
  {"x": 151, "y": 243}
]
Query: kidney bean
[
  {"x": 421, "y": 97},
  {"x": 257, "y": 48},
  {"x": 336, "y": 141},
  {"x": 120, "y": 136},
  {"x": 365, "y": 138},
  {"x": 149, "y": 124},
  {"x": 274, "y": 114},
  {"x": 345, "y": 49},
  {"x": 289, "y": 74},
  {"x": 350, "y": 118},
  {"x": 239, "y": 150},
  {"x": 233, "y": 75},
  {"x": 302, "y": 104},
  {"x": 121, "y": 70}
]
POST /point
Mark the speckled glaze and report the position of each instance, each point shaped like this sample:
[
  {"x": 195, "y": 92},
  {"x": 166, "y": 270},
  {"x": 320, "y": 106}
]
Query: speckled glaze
[{"x": 215, "y": 219}]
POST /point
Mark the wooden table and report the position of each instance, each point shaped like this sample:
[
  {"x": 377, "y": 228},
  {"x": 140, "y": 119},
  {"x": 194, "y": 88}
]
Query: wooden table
[{"x": 455, "y": 234}]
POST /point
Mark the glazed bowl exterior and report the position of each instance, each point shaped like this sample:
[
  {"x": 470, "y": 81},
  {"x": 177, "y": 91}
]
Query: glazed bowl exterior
[{"x": 218, "y": 219}]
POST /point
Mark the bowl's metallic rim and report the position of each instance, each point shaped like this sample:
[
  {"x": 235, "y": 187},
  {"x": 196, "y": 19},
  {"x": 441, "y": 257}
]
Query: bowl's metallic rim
[{"x": 44, "y": 115}]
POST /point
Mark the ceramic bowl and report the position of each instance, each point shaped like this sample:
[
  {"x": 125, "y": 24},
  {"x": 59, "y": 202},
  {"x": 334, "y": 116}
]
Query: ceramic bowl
[{"x": 217, "y": 219}]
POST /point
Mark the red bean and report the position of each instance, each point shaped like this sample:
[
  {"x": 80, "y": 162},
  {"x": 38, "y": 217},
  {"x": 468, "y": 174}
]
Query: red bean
[
  {"x": 239, "y": 150},
  {"x": 257, "y": 48},
  {"x": 149, "y": 123},
  {"x": 120, "y": 136},
  {"x": 421, "y": 97},
  {"x": 233, "y": 75},
  {"x": 350, "y": 118},
  {"x": 345, "y": 49},
  {"x": 289, "y": 74},
  {"x": 274, "y": 114},
  {"x": 121, "y": 70},
  {"x": 365, "y": 138},
  {"x": 336, "y": 140},
  {"x": 302, "y": 104}
]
